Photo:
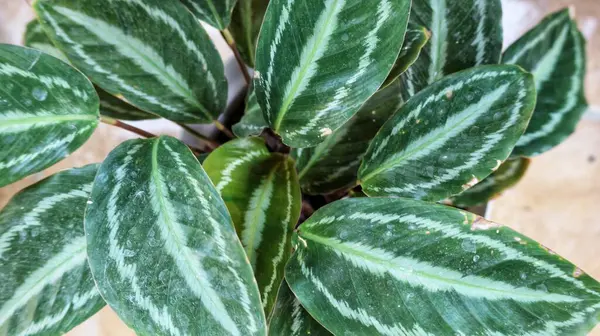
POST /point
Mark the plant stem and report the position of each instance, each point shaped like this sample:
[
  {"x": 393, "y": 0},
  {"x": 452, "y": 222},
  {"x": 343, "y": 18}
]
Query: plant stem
[
  {"x": 238, "y": 57},
  {"x": 210, "y": 143},
  {"x": 223, "y": 129}
]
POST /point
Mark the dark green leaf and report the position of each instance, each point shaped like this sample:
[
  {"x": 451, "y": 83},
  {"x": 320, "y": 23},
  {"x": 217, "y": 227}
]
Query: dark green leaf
[
  {"x": 415, "y": 39},
  {"x": 253, "y": 122},
  {"x": 216, "y": 13},
  {"x": 248, "y": 17}
]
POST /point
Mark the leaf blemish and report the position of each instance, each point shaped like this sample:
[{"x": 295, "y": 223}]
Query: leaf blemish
[
  {"x": 577, "y": 272},
  {"x": 471, "y": 183},
  {"x": 449, "y": 94},
  {"x": 325, "y": 131},
  {"x": 482, "y": 224}
]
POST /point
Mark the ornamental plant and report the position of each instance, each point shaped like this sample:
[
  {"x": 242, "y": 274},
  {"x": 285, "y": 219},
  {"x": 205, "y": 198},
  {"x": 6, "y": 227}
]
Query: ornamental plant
[{"x": 337, "y": 206}]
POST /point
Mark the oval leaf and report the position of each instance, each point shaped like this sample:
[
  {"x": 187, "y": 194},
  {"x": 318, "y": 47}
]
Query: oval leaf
[
  {"x": 464, "y": 34},
  {"x": 450, "y": 135},
  {"x": 290, "y": 318},
  {"x": 154, "y": 53},
  {"x": 318, "y": 61},
  {"x": 253, "y": 122},
  {"x": 162, "y": 247},
  {"x": 415, "y": 39},
  {"x": 333, "y": 164},
  {"x": 248, "y": 17},
  {"x": 381, "y": 266},
  {"x": 509, "y": 173},
  {"x": 46, "y": 287},
  {"x": 47, "y": 110},
  {"x": 554, "y": 52},
  {"x": 216, "y": 13},
  {"x": 262, "y": 193}
]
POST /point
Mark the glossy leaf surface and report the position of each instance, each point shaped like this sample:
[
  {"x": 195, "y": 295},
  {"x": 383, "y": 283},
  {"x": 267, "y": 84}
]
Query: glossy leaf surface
[
  {"x": 153, "y": 53},
  {"x": 248, "y": 17},
  {"x": 415, "y": 39},
  {"x": 47, "y": 110},
  {"x": 162, "y": 246},
  {"x": 46, "y": 287},
  {"x": 451, "y": 135},
  {"x": 318, "y": 61},
  {"x": 217, "y": 13},
  {"x": 262, "y": 193},
  {"x": 253, "y": 122},
  {"x": 383, "y": 266}
]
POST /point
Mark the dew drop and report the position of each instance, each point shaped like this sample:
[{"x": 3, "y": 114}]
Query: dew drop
[
  {"x": 39, "y": 94},
  {"x": 469, "y": 246},
  {"x": 128, "y": 253},
  {"x": 347, "y": 292},
  {"x": 523, "y": 275},
  {"x": 476, "y": 258},
  {"x": 542, "y": 287},
  {"x": 345, "y": 37}
]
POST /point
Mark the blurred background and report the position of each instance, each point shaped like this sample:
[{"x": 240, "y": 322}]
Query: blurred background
[{"x": 557, "y": 203}]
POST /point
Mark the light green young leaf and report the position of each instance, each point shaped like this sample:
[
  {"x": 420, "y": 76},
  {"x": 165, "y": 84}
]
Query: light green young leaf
[
  {"x": 290, "y": 318},
  {"x": 46, "y": 287},
  {"x": 333, "y": 164},
  {"x": 248, "y": 17},
  {"x": 554, "y": 52},
  {"x": 415, "y": 39},
  {"x": 384, "y": 266},
  {"x": 262, "y": 193},
  {"x": 464, "y": 34},
  {"x": 253, "y": 122},
  {"x": 47, "y": 110},
  {"x": 153, "y": 53},
  {"x": 216, "y": 13},
  {"x": 318, "y": 61},
  {"x": 162, "y": 247},
  {"x": 450, "y": 135},
  {"x": 509, "y": 173}
]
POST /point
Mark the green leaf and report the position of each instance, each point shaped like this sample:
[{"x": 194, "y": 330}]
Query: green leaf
[
  {"x": 464, "y": 34},
  {"x": 216, "y": 13},
  {"x": 46, "y": 287},
  {"x": 383, "y": 266},
  {"x": 509, "y": 173},
  {"x": 262, "y": 193},
  {"x": 318, "y": 61},
  {"x": 253, "y": 122},
  {"x": 450, "y": 135},
  {"x": 47, "y": 111},
  {"x": 554, "y": 52},
  {"x": 162, "y": 247},
  {"x": 36, "y": 38},
  {"x": 416, "y": 38},
  {"x": 153, "y": 53},
  {"x": 334, "y": 163},
  {"x": 290, "y": 318},
  {"x": 248, "y": 17}
]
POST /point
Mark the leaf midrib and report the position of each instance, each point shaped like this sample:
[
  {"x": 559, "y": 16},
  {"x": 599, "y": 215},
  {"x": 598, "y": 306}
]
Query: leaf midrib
[{"x": 45, "y": 119}]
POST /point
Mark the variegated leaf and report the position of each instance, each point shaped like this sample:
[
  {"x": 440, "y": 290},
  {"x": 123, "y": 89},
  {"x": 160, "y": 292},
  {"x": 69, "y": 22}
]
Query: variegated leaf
[
  {"x": 509, "y": 173},
  {"x": 318, "y": 61},
  {"x": 47, "y": 110},
  {"x": 153, "y": 53},
  {"x": 554, "y": 52},
  {"x": 450, "y": 135},
  {"x": 262, "y": 193},
  {"x": 253, "y": 122},
  {"x": 248, "y": 17},
  {"x": 46, "y": 287},
  {"x": 464, "y": 34},
  {"x": 162, "y": 247},
  {"x": 290, "y": 318},
  {"x": 384, "y": 266},
  {"x": 334, "y": 163},
  {"x": 415, "y": 39},
  {"x": 216, "y": 13}
]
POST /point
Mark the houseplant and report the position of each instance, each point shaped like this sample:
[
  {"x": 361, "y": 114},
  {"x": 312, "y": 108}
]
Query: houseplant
[{"x": 323, "y": 216}]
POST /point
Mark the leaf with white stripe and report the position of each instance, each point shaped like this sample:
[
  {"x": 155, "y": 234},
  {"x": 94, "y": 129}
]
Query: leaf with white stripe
[
  {"x": 162, "y": 247},
  {"x": 509, "y": 173},
  {"x": 333, "y": 164},
  {"x": 464, "y": 34},
  {"x": 245, "y": 25},
  {"x": 450, "y": 135},
  {"x": 262, "y": 193},
  {"x": 414, "y": 41},
  {"x": 253, "y": 122},
  {"x": 46, "y": 287},
  {"x": 318, "y": 61},
  {"x": 554, "y": 52},
  {"x": 47, "y": 110},
  {"x": 153, "y": 53},
  {"x": 216, "y": 13},
  {"x": 290, "y": 318},
  {"x": 384, "y": 266}
]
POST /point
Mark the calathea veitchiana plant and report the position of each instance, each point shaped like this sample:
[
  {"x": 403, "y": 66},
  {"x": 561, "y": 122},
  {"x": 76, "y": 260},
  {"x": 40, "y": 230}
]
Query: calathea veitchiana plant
[{"x": 383, "y": 108}]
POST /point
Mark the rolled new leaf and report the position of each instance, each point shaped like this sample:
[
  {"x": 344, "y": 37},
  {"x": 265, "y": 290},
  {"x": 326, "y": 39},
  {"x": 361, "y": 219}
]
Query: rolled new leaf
[
  {"x": 262, "y": 193},
  {"x": 554, "y": 52},
  {"x": 247, "y": 18},
  {"x": 318, "y": 61},
  {"x": 414, "y": 41},
  {"x": 153, "y": 53},
  {"x": 46, "y": 287},
  {"x": 382, "y": 266},
  {"x": 464, "y": 34},
  {"x": 333, "y": 164},
  {"x": 47, "y": 110},
  {"x": 217, "y": 13},
  {"x": 451, "y": 135},
  {"x": 162, "y": 247},
  {"x": 509, "y": 173},
  {"x": 253, "y": 122}
]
